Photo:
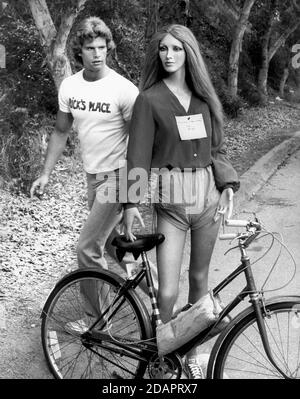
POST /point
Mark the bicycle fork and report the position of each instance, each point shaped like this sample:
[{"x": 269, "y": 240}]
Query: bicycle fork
[{"x": 257, "y": 303}]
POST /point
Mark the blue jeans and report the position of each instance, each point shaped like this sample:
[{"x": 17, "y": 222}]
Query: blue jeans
[
  {"x": 98, "y": 232},
  {"x": 100, "y": 227}
]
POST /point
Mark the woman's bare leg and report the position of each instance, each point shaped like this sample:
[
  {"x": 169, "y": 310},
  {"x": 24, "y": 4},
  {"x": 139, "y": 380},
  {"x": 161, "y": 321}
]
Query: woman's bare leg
[{"x": 169, "y": 259}]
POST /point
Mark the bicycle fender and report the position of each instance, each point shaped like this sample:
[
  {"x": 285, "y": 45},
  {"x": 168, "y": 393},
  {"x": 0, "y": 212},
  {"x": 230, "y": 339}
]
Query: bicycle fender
[
  {"x": 244, "y": 313},
  {"x": 249, "y": 309}
]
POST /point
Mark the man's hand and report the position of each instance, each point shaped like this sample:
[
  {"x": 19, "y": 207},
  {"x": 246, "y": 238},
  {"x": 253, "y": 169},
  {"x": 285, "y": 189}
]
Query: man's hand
[
  {"x": 128, "y": 219},
  {"x": 56, "y": 145},
  {"x": 225, "y": 206},
  {"x": 38, "y": 186}
]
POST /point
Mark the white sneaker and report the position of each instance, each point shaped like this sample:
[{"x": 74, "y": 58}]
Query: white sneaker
[
  {"x": 202, "y": 361},
  {"x": 193, "y": 369}
]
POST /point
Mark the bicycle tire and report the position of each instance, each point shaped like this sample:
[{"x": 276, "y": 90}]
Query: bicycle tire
[
  {"x": 239, "y": 352},
  {"x": 66, "y": 355}
]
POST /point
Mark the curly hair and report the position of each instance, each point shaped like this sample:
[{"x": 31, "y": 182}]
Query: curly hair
[
  {"x": 89, "y": 29},
  {"x": 197, "y": 76}
]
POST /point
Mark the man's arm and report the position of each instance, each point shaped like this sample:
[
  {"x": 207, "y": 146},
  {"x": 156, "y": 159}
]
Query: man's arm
[{"x": 55, "y": 148}]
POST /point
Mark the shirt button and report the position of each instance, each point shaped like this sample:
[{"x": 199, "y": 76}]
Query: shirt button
[{"x": 195, "y": 155}]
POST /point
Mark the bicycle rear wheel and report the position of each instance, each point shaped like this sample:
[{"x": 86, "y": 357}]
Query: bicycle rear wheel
[
  {"x": 241, "y": 354},
  {"x": 66, "y": 317}
]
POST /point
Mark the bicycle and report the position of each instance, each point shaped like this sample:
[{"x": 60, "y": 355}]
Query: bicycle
[{"x": 262, "y": 341}]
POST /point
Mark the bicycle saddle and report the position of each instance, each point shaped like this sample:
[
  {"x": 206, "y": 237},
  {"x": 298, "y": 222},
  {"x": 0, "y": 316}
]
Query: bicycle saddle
[{"x": 143, "y": 242}]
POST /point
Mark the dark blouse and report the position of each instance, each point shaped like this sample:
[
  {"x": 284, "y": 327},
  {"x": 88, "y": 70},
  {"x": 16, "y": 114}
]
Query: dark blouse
[{"x": 154, "y": 140}]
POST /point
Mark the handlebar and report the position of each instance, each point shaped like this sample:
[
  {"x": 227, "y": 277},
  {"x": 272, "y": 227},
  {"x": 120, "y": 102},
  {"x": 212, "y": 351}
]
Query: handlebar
[
  {"x": 228, "y": 236},
  {"x": 236, "y": 223},
  {"x": 252, "y": 230}
]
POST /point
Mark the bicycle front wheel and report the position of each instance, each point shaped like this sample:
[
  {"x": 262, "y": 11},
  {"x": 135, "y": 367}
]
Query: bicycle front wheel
[
  {"x": 68, "y": 315},
  {"x": 241, "y": 354}
]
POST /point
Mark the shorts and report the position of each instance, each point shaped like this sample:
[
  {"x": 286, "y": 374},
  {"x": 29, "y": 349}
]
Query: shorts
[{"x": 198, "y": 203}]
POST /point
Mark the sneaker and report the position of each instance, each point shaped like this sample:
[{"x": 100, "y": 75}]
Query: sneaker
[
  {"x": 202, "y": 361},
  {"x": 192, "y": 369}
]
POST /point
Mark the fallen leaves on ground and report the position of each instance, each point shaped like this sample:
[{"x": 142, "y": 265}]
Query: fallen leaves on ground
[
  {"x": 38, "y": 236},
  {"x": 258, "y": 130}
]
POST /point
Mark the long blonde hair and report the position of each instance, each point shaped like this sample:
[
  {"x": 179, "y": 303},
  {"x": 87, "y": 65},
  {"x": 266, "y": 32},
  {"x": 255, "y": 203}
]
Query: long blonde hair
[{"x": 197, "y": 76}]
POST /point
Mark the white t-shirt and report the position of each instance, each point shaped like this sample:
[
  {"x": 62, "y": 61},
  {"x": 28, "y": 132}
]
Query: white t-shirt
[{"x": 100, "y": 110}]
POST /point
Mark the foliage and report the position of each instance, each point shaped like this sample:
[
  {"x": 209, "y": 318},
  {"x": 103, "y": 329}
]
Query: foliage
[
  {"x": 232, "y": 105},
  {"x": 26, "y": 74},
  {"x": 128, "y": 30},
  {"x": 21, "y": 150},
  {"x": 28, "y": 84},
  {"x": 284, "y": 17}
]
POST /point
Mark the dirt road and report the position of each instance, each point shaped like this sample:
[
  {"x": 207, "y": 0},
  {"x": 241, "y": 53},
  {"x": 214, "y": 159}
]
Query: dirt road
[{"x": 277, "y": 205}]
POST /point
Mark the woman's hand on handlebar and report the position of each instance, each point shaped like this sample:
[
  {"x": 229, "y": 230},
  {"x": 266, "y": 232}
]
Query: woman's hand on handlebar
[
  {"x": 225, "y": 205},
  {"x": 128, "y": 219}
]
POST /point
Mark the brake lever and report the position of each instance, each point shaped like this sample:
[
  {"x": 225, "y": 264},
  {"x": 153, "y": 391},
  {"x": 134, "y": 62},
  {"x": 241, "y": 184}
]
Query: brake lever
[{"x": 230, "y": 249}]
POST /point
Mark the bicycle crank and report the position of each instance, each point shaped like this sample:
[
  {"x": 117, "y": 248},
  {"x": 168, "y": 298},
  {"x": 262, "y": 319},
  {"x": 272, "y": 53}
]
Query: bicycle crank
[{"x": 165, "y": 367}]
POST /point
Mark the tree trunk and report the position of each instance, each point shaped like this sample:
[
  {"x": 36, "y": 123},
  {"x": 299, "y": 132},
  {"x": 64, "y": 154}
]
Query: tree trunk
[
  {"x": 269, "y": 52},
  {"x": 263, "y": 75},
  {"x": 183, "y": 12},
  {"x": 283, "y": 80},
  {"x": 152, "y": 18},
  {"x": 282, "y": 39},
  {"x": 297, "y": 81},
  {"x": 236, "y": 47},
  {"x": 55, "y": 42},
  {"x": 264, "y": 69}
]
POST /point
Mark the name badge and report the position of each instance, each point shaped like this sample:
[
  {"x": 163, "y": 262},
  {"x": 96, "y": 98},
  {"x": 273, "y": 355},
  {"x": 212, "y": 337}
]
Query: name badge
[{"x": 191, "y": 127}]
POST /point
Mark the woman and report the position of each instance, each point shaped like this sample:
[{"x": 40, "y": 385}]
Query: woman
[{"x": 176, "y": 128}]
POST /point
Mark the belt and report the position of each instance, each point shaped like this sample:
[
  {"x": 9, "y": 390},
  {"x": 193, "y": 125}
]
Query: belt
[{"x": 182, "y": 169}]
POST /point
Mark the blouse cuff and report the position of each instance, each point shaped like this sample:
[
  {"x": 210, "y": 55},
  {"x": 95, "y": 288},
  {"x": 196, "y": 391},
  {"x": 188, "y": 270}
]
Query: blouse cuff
[{"x": 234, "y": 185}]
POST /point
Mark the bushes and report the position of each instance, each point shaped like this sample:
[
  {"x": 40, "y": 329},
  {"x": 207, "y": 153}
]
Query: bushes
[
  {"x": 231, "y": 105},
  {"x": 20, "y": 150},
  {"x": 249, "y": 92},
  {"x": 26, "y": 73},
  {"x": 28, "y": 93},
  {"x": 32, "y": 93}
]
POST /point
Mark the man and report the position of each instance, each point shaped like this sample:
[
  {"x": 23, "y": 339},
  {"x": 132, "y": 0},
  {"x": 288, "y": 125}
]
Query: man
[{"x": 99, "y": 102}]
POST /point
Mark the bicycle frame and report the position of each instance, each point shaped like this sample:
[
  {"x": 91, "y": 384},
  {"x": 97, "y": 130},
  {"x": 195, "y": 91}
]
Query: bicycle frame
[
  {"x": 142, "y": 350},
  {"x": 255, "y": 299}
]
